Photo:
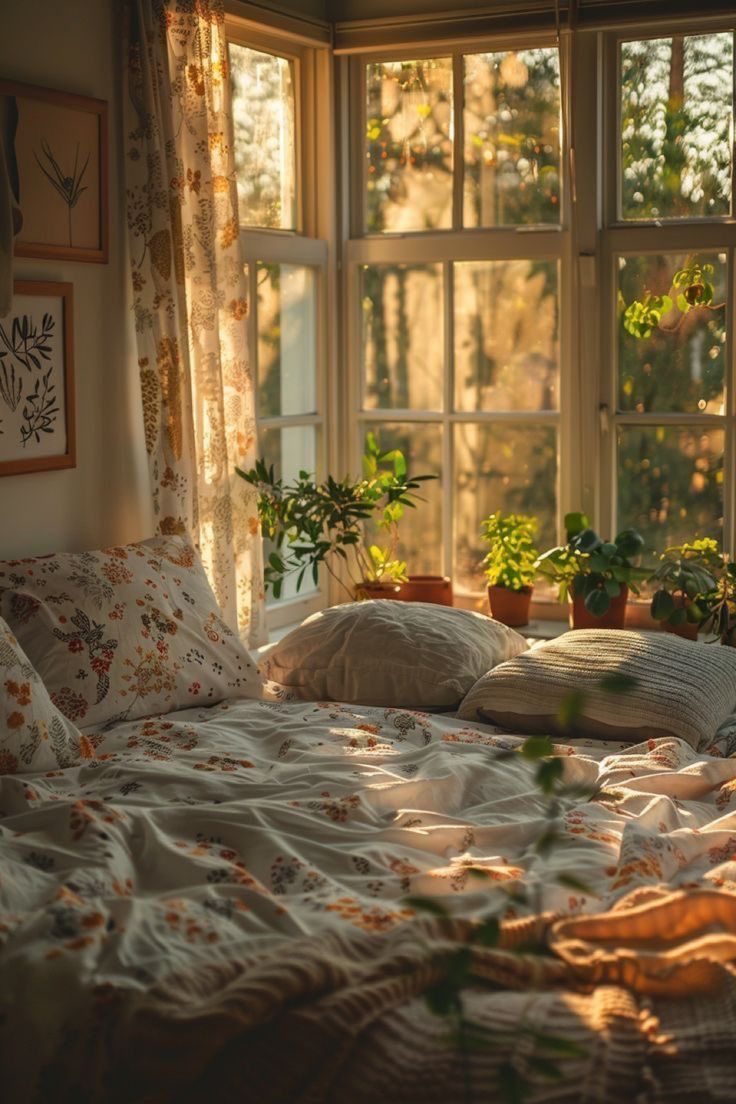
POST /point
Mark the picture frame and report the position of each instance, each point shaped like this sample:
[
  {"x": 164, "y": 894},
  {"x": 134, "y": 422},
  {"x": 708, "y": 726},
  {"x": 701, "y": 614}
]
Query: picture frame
[
  {"x": 37, "y": 399},
  {"x": 59, "y": 165}
]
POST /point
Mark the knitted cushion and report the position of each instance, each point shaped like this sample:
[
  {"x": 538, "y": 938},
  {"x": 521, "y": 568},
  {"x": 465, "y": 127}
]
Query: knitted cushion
[
  {"x": 411, "y": 655},
  {"x": 680, "y": 688}
]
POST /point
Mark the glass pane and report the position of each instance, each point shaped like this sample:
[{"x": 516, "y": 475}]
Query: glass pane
[
  {"x": 500, "y": 467},
  {"x": 403, "y": 348},
  {"x": 420, "y": 530},
  {"x": 676, "y": 108},
  {"x": 506, "y": 335},
  {"x": 265, "y": 147},
  {"x": 409, "y": 128},
  {"x": 670, "y": 483},
  {"x": 673, "y": 359},
  {"x": 290, "y": 449},
  {"x": 512, "y": 138},
  {"x": 287, "y": 339}
]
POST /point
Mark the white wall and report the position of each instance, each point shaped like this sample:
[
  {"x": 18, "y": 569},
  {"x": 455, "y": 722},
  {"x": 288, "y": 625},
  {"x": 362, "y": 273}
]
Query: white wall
[{"x": 74, "y": 45}]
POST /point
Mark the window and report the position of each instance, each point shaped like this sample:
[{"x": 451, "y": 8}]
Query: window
[
  {"x": 544, "y": 338},
  {"x": 275, "y": 86},
  {"x": 456, "y": 270},
  {"x": 668, "y": 249}
]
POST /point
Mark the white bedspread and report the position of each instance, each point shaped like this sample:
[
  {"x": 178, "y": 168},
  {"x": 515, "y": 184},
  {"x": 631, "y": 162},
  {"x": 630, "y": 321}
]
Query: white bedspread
[{"x": 190, "y": 837}]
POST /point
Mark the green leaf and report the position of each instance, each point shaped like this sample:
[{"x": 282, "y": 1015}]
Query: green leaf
[
  {"x": 570, "y": 708},
  {"x": 663, "y": 605},
  {"x": 536, "y": 747},
  {"x": 575, "y": 523},
  {"x": 426, "y": 904},
  {"x": 487, "y": 933},
  {"x": 549, "y": 771},
  {"x": 597, "y": 602}
]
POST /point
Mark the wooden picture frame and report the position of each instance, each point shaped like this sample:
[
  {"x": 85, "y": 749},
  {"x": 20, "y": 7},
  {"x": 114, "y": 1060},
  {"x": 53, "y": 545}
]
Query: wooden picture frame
[
  {"x": 59, "y": 162},
  {"x": 37, "y": 410}
]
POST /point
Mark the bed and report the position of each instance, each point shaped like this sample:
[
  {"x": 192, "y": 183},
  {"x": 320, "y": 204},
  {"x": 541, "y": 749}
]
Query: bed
[
  {"x": 206, "y": 835},
  {"x": 213, "y": 903}
]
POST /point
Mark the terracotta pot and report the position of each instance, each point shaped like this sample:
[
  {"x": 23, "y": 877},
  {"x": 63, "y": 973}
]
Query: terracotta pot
[
  {"x": 686, "y": 631},
  {"x": 510, "y": 607},
  {"x": 614, "y": 618},
  {"x": 366, "y": 590},
  {"x": 436, "y": 589}
]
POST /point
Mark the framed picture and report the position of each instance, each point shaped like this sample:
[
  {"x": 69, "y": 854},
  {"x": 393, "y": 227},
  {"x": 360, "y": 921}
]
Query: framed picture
[
  {"x": 57, "y": 145},
  {"x": 37, "y": 380}
]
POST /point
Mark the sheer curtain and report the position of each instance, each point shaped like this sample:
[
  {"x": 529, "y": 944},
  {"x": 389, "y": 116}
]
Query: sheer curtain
[{"x": 190, "y": 295}]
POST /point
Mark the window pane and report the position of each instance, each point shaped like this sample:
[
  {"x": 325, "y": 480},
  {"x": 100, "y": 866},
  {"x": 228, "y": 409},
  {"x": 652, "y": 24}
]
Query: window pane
[
  {"x": 500, "y": 467},
  {"x": 287, "y": 339},
  {"x": 290, "y": 449},
  {"x": 403, "y": 350},
  {"x": 674, "y": 361},
  {"x": 512, "y": 138},
  {"x": 420, "y": 530},
  {"x": 409, "y": 144},
  {"x": 506, "y": 335},
  {"x": 265, "y": 148},
  {"x": 670, "y": 483},
  {"x": 676, "y": 108}
]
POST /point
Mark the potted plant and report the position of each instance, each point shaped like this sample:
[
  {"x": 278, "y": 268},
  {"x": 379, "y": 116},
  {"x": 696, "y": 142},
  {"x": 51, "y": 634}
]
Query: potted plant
[
  {"x": 510, "y": 565},
  {"x": 594, "y": 575},
  {"x": 311, "y": 523},
  {"x": 687, "y": 574}
]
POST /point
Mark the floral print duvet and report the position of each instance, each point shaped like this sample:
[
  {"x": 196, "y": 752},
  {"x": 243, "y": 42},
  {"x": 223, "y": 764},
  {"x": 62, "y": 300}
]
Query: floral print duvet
[{"x": 192, "y": 837}]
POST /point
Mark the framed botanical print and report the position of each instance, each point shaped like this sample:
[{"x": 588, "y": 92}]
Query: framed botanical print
[
  {"x": 37, "y": 431},
  {"x": 56, "y": 148}
]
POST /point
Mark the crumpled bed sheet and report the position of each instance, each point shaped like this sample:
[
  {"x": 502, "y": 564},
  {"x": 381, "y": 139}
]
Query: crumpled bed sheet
[{"x": 202, "y": 840}]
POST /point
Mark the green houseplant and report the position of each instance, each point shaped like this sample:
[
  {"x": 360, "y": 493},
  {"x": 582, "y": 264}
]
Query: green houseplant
[
  {"x": 685, "y": 579},
  {"x": 311, "y": 523},
  {"x": 510, "y": 565},
  {"x": 594, "y": 575}
]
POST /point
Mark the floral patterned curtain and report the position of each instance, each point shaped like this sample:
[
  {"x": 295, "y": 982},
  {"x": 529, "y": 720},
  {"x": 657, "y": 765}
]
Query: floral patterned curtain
[{"x": 190, "y": 293}]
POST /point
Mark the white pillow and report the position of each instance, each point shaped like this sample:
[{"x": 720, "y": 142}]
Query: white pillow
[
  {"x": 125, "y": 632},
  {"x": 680, "y": 688},
  {"x": 409, "y": 655},
  {"x": 34, "y": 736}
]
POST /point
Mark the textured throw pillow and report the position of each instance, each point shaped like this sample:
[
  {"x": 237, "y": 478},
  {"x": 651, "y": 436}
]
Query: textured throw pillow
[
  {"x": 125, "y": 632},
  {"x": 34, "y": 736},
  {"x": 410, "y": 655},
  {"x": 680, "y": 688}
]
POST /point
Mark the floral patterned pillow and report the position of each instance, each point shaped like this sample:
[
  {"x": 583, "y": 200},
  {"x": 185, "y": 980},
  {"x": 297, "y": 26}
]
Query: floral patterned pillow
[
  {"x": 125, "y": 632},
  {"x": 33, "y": 734}
]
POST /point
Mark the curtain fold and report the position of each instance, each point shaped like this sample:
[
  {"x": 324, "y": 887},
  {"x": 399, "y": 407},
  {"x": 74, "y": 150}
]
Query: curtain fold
[{"x": 190, "y": 293}]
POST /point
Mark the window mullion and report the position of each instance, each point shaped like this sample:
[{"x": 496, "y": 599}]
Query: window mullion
[
  {"x": 448, "y": 444},
  {"x": 458, "y": 145}
]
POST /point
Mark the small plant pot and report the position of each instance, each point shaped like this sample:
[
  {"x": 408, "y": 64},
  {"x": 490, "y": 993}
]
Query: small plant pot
[
  {"x": 436, "y": 589},
  {"x": 510, "y": 607},
  {"x": 613, "y": 618},
  {"x": 366, "y": 590},
  {"x": 686, "y": 631}
]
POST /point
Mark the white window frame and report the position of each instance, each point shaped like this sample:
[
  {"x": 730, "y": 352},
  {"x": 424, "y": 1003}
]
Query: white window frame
[
  {"x": 525, "y": 242},
  {"x": 308, "y": 245},
  {"x": 677, "y": 235}
]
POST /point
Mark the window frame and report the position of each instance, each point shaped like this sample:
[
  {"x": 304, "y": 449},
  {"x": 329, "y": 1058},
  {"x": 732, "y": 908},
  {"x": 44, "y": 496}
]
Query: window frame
[
  {"x": 447, "y": 246},
  {"x": 306, "y": 246},
  {"x": 617, "y": 237}
]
